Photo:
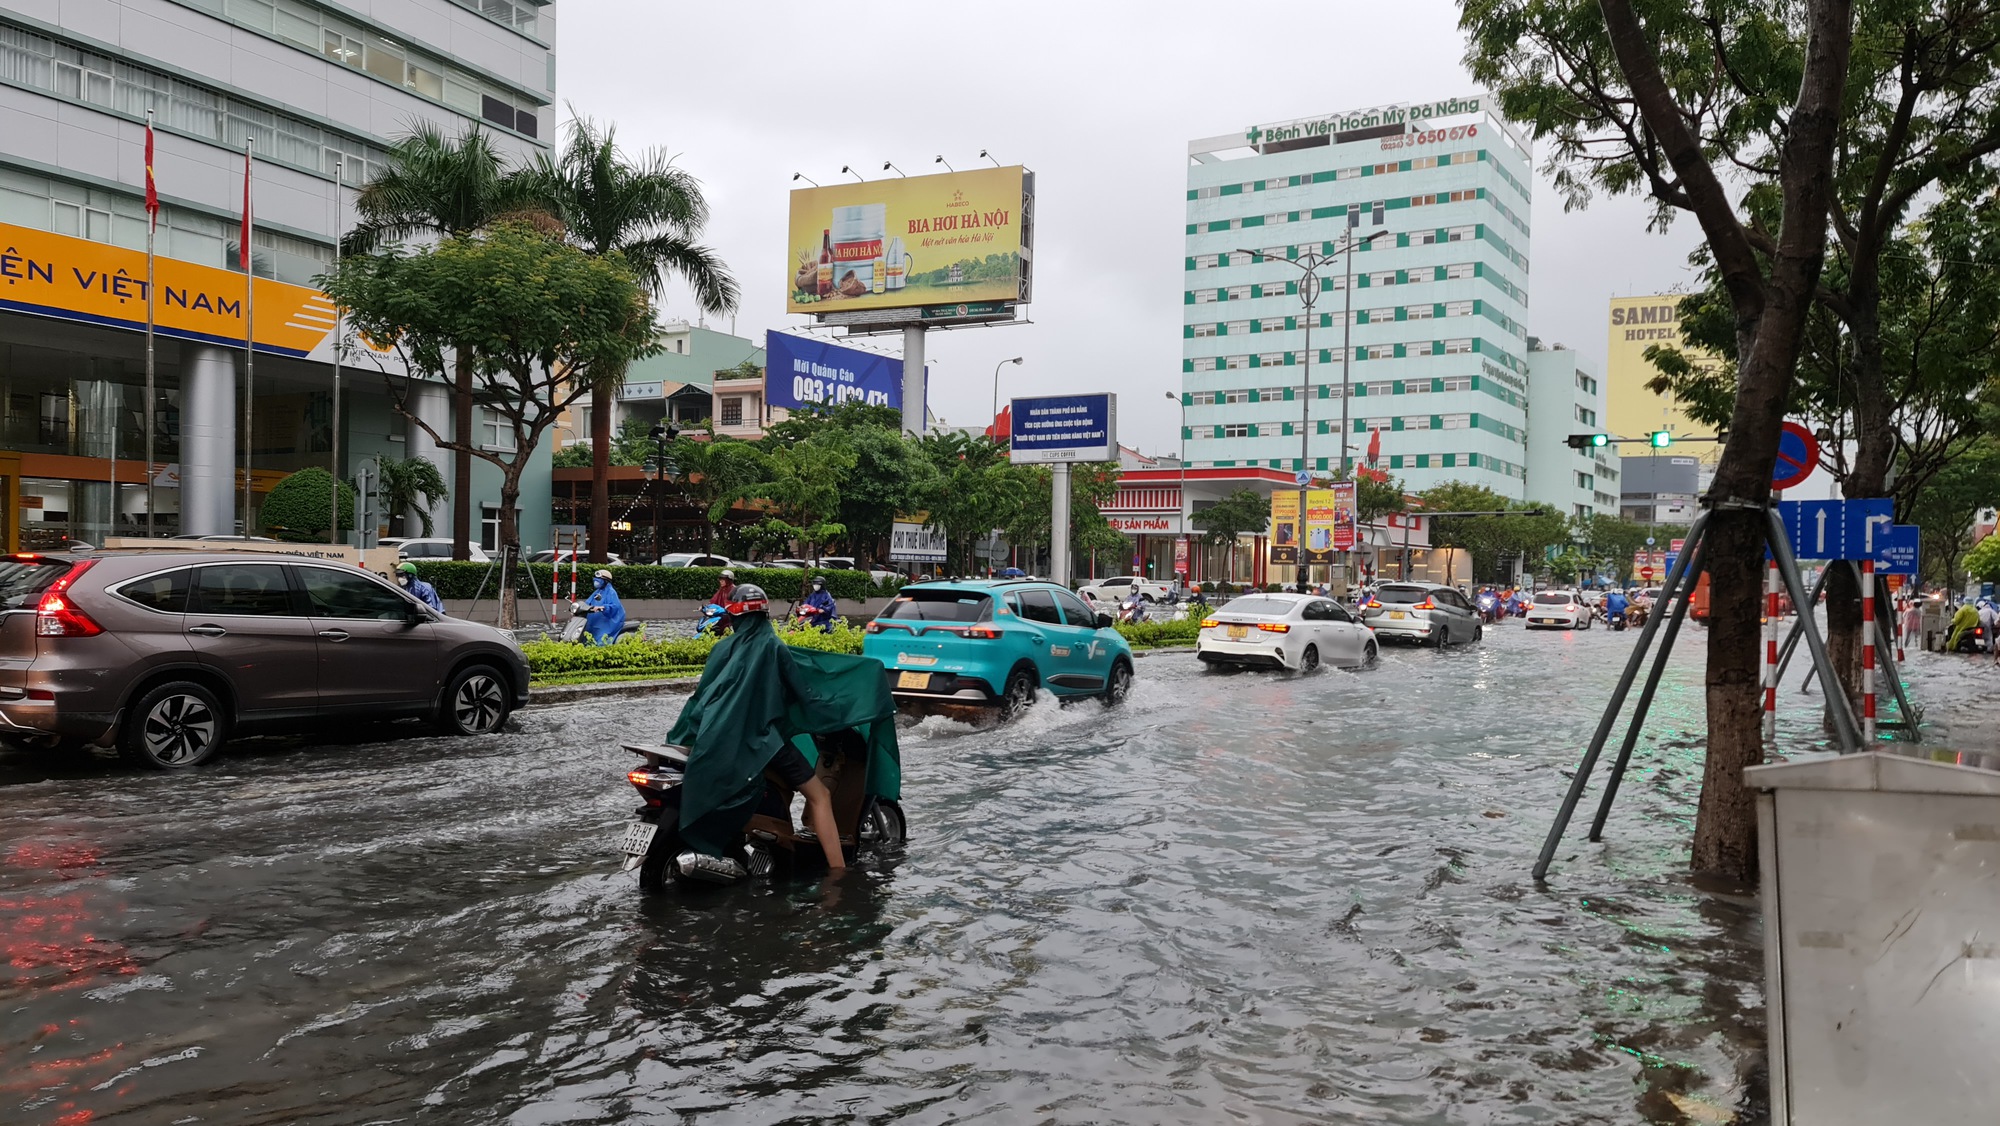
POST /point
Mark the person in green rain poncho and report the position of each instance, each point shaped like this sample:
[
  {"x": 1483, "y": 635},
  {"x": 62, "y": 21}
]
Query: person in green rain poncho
[{"x": 757, "y": 707}]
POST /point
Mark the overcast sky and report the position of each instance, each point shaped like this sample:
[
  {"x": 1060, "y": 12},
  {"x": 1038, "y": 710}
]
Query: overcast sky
[{"x": 1100, "y": 100}]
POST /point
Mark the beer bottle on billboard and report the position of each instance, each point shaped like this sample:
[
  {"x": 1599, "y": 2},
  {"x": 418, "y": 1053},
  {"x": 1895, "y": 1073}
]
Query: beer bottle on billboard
[{"x": 826, "y": 262}]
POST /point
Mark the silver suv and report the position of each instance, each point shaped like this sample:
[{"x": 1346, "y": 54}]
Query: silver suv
[
  {"x": 166, "y": 654},
  {"x": 1425, "y": 613}
]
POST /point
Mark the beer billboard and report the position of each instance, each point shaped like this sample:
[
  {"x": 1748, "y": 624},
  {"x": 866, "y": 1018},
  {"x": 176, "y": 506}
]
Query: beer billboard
[{"x": 957, "y": 238}]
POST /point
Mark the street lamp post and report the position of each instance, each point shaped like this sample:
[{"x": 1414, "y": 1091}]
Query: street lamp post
[
  {"x": 662, "y": 433},
  {"x": 995, "y": 420},
  {"x": 1182, "y": 444},
  {"x": 1309, "y": 264}
]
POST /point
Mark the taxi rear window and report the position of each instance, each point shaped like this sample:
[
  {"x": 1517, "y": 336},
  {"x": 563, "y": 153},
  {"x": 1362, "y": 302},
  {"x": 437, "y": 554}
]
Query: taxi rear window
[{"x": 940, "y": 606}]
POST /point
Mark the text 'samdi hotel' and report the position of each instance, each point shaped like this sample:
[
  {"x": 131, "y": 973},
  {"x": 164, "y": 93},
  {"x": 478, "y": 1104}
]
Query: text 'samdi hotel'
[{"x": 1438, "y": 346}]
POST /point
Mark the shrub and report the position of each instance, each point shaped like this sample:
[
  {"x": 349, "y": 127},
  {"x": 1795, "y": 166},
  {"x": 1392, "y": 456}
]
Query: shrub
[
  {"x": 462, "y": 579},
  {"x": 633, "y": 655},
  {"x": 1146, "y": 635},
  {"x": 296, "y": 507}
]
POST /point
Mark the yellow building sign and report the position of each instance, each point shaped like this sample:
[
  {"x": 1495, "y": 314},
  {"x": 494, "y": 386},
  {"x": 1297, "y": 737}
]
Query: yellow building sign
[{"x": 1638, "y": 323}]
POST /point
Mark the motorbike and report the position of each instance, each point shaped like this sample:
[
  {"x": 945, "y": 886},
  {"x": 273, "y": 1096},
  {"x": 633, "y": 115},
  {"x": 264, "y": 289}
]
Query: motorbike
[
  {"x": 711, "y": 620},
  {"x": 1489, "y": 608},
  {"x": 1973, "y": 641},
  {"x": 1132, "y": 610},
  {"x": 1616, "y": 621},
  {"x": 771, "y": 845},
  {"x": 1637, "y": 614},
  {"x": 579, "y": 614}
]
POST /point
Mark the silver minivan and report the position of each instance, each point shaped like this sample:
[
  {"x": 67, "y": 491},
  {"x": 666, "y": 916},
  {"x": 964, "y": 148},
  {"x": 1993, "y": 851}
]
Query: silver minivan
[{"x": 1423, "y": 613}]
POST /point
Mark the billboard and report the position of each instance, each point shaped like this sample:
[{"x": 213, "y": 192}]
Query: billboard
[
  {"x": 812, "y": 373},
  {"x": 912, "y": 542},
  {"x": 1285, "y": 527},
  {"x": 1638, "y": 323},
  {"x": 1319, "y": 526},
  {"x": 957, "y": 238},
  {"x": 1064, "y": 428}
]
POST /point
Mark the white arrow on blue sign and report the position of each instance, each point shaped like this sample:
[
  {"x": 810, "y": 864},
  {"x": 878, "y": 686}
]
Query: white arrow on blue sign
[
  {"x": 1896, "y": 551},
  {"x": 1303, "y": 477},
  {"x": 1836, "y": 529}
]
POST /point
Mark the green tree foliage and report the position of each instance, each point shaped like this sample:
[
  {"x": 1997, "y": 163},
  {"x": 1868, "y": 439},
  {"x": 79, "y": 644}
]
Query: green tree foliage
[
  {"x": 527, "y": 305},
  {"x": 410, "y": 484},
  {"x": 1243, "y": 512},
  {"x": 1376, "y": 494},
  {"x": 976, "y": 490},
  {"x": 1945, "y": 508},
  {"x": 1983, "y": 561},
  {"x": 1492, "y": 540},
  {"x": 801, "y": 482},
  {"x": 712, "y": 473},
  {"x": 298, "y": 509}
]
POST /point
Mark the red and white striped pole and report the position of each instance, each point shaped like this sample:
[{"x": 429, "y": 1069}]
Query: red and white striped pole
[
  {"x": 555, "y": 596},
  {"x": 1770, "y": 650},
  {"x": 1868, "y": 651}
]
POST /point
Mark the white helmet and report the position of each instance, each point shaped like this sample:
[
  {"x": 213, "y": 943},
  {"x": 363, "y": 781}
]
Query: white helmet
[{"x": 728, "y": 574}]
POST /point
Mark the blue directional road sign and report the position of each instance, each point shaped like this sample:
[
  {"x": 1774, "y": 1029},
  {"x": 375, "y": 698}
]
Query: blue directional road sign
[
  {"x": 1896, "y": 552},
  {"x": 1836, "y": 529},
  {"x": 1303, "y": 477}
]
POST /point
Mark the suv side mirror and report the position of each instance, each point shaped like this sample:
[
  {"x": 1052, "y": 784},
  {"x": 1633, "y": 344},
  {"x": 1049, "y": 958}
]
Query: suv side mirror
[{"x": 1103, "y": 621}]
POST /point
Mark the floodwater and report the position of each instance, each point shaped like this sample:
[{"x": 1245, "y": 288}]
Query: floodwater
[{"x": 1239, "y": 898}]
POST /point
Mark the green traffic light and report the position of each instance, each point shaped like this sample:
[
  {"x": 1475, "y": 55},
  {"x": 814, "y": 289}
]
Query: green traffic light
[
  {"x": 1600, "y": 439},
  {"x": 1662, "y": 439}
]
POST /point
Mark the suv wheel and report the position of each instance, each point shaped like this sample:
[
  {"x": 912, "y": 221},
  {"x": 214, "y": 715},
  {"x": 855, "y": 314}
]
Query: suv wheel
[
  {"x": 1018, "y": 695},
  {"x": 176, "y": 725},
  {"x": 477, "y": 702},
  {"x": 1119, "y": 685}
]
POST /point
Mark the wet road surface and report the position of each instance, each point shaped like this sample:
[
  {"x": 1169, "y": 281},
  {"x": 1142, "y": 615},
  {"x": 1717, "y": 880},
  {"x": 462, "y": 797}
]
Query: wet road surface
[{"x": 1240, "y": 897}]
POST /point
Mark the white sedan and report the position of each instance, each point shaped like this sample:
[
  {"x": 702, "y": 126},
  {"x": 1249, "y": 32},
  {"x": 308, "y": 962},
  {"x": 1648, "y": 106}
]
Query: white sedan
[
  {"x": 1117, "y": 587},
  {"x": 1559, "y": 609},
  {"x": 1285, "y": 631}
]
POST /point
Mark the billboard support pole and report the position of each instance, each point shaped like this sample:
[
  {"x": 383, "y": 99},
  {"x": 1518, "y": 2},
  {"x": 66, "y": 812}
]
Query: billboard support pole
[
  {"x": 914, "y": 413},
  {"x": 1058, "y": 523}
]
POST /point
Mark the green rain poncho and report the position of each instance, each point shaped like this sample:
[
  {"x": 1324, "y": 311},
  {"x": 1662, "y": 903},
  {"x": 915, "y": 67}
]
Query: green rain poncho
[
  {"x": 758, "y": 693},
  {"x": 1962, "y": 623}
]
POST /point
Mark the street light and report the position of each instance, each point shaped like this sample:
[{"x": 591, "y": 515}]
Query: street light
[
  {"x": 996, "y": 391},
  {"x": 662, "y": 433},
  {"x": 1309, "y": 285},
  {"x": 1182, "y": 444}
]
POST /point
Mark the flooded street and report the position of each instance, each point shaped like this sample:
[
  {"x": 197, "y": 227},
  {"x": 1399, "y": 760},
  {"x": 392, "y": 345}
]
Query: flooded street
[{"x": 1247, "y": 898}]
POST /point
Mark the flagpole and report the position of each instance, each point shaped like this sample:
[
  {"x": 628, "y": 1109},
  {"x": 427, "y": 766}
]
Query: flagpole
[
  {"x": 249, "y": 337},
  {"x": 152, "y": 220},
  {"x": 334, "y": 535}
]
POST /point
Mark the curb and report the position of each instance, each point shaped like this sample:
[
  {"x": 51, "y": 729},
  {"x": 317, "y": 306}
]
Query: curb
[{"x": 566, "y": 693}]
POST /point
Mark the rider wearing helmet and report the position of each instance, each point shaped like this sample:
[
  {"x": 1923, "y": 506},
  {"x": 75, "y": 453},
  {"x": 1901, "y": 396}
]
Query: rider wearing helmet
[
  {"x": 740, "y": 602},
  {"x": 406, "y": 576},
  {"x": 818, "y": 608},
  {"x": 604, "y": 611},
  {"x": 724, "y": 590}
]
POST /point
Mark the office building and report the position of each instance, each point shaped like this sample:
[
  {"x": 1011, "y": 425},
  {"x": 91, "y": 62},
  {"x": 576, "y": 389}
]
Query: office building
[
  {"x": 1430, "y": 344},
  {"x": 1565, "y": 397},
  {"x": 311, "y": 86},
  {"x": 1636, "y": 410}
]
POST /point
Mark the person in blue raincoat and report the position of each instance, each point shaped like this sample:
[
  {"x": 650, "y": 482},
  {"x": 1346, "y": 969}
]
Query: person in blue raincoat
[
  {"x": 406, "y": 577},
  {"x": 605, "y": 614},
  {"x": 818, "y": 608}
]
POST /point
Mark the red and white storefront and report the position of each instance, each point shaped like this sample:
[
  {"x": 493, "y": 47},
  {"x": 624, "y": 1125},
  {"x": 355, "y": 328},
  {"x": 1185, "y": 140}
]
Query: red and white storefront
[{"x": 1153, "y": 506}]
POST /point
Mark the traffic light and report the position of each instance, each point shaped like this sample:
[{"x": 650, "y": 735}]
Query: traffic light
[
  {"x": 1585, "y": 441},
  {"x": 1661, "y": 439}
]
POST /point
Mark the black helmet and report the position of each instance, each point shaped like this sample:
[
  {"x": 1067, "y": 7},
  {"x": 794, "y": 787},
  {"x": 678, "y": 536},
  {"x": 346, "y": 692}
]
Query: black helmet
[
  {"x": 819, "y": 580},
  {"x": 747, "y": 599}
]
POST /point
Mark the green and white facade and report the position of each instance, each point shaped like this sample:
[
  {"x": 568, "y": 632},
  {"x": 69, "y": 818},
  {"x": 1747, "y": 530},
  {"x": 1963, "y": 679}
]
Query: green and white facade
[{"x": 1437, "y": 346}]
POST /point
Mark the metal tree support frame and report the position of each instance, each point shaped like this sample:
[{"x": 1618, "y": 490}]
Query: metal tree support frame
[
  {"x": 1680, "y": 582},
  {"x": 1885, "y": 659}
]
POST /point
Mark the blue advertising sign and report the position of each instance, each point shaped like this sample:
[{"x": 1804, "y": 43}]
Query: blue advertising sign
[
  {"x": 1896, "y": 552},
  {"x": 799, "y": 372},
  {"x": 1065, "y": 428},
  {"x": 1837, "y": 529}
]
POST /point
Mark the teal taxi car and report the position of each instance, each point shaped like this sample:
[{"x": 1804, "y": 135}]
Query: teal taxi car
[{"x": 988, "y": 645}]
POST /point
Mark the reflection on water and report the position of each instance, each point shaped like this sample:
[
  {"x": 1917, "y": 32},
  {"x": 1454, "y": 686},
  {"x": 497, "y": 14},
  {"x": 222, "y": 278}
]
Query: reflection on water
[{"x": 1262, "y": 898}]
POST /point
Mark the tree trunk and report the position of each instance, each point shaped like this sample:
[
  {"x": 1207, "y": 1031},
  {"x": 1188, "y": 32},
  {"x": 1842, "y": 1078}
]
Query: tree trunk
[
  {"x": 510, "y": 547},
  {"x": 461, "y": 458},
  {"x": 1843, "y": 636},
  {"x": 1725, "y": 840},
  {"x": 600, "y": 480}
]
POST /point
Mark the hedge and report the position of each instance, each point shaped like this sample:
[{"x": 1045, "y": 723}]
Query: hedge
[
  {"x": 1150, "y": 635},
  {"x": 550, "y": 660},
  {"x": 781, "y": 584}
]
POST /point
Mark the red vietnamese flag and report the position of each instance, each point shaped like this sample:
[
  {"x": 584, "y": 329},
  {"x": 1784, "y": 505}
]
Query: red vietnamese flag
[
  {"x": 243, "y": 251},
  {"x": 1374, "y": 446},
  {"x": 152, "y": 189}
]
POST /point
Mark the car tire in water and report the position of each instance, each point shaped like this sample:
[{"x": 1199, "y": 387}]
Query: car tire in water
[
  {"x": 1118, "y": 685},
  {"x": 173, "y": 726},
  {"x": 1478, "y": 634},
  {"x": 476, "y": 702},
  {"x": 1018, "y": 695},
  {"x": 1309, "y": 660},
  {"x": 1370, "y": 654}
]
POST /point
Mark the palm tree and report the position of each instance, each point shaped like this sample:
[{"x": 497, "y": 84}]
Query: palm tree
[
  {"x": 411, "y": 484},
  {"x": 648, "y": 211},
  {"x": 445, "y": 187}
]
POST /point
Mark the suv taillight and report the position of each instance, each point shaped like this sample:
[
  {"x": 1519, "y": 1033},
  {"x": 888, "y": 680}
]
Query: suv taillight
[
  {"x": 983, "y": 631},
  {"x": 57, "y": 616}
]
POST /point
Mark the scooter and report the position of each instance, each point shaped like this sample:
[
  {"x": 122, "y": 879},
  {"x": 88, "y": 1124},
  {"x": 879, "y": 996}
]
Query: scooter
[
  {"x": 1489, "y": 608},
  {"x": 771, "y": 844},
  {"x": 579, "y": 615},
  {"x": 1132, "y": 611},
  {"x": 1616, "y": 621},
  {"x": 711, "y": 620}
]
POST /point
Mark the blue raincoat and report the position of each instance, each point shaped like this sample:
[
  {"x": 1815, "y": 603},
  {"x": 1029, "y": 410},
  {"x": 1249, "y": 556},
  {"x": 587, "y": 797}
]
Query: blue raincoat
[{"x": 602, "y": 626}]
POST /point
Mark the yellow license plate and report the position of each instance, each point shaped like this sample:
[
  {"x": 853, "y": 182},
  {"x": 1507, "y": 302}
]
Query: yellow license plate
[
  {"x": 913, "y": 680},
  {"x": 1396, "y": 614},
  {"x": 1238, "y": 632}
]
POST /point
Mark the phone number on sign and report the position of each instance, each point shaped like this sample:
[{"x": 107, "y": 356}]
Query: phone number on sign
[
  {"x": 1431, "y": 136},
  {"x": 808, "y": 390}
]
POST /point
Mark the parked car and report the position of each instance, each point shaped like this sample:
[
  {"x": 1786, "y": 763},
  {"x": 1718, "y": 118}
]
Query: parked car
[
  {"x": 1285, "y": 631},
  {"x": 695, "y": 559},
  {"x": 551, "y": 556},
  {"x": 434, "y": 547},
  {"x": 788, "y": 564},
  {"x": 165, "y": 655},
  {"x": 1117, "y": 587},
  {"x": 1425, "y": 613},
  {"x": 848, "y": 563},
  {"x": 988, "y": 644},
  {"x": 1559, "y": 609}
]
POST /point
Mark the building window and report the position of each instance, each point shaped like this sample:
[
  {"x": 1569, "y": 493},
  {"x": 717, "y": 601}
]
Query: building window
[
  {"x": 1419, "y": 312},
  {"x": 1454, "y": 347},
  {"x": 1234, "y": 362},
  {"x": 1280, "y": 253},
  {"x": 1382, "y": 277},
  {"x": 1455, "y": 422},
  {"x": 1204, "y": 363},
  {"x": 1238, "y": 328},
  {"x": 1381, "y": 351},
  {"x": 1458, "y": 309},
  {"x": 1236, "y": 430},
  {"x": 1270, "y": 359},
  {"x": 1206, "y": 261},
  {"x": 1276, "y": 182},
  {"x": 1238, "y": 395},
  {"x": 1238, "y": 292},
  {"x": 1462, "y": 234},
  {"x": 1423, "y": 162},
  {"x": 1209, "y": 192},
  {"x": 732, "y": 411},
  {"x": 1422, "y": 348},
  {"x": 1457, "y": 383},
  {"x": 1423, "y": 238},
  {"x": 498, "y": 431},
  {"x": 1271, "y": 394},
  {"x": 1380, "y": 387},
  {"x": 1204, "y": 296},
  {"x": 1583, "y": 481},
  {"x": 1586, "y": 384},
  {"x": 1205, "y": 329},
  {"x": 1416, "y": 422},
  {"x": 1586, "y": 416},
  {"x": 1458, "y": 270},
  {"x": 1416, "y": 387}
]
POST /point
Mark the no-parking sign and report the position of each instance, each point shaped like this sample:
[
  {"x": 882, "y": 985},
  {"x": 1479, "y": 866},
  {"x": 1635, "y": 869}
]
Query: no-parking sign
[{"x": 1798, "y": 456}]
